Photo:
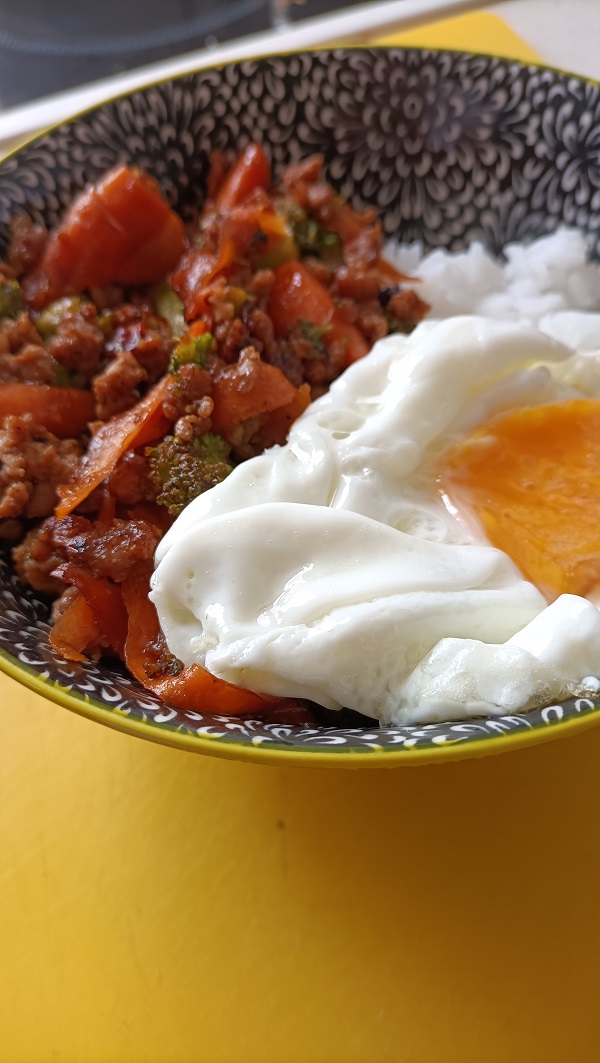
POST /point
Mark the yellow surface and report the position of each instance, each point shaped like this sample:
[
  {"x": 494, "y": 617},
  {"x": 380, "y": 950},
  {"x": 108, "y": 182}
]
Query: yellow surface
[
  {"x": 477, "y": 32},
  {"x": 158, "y": 907}
]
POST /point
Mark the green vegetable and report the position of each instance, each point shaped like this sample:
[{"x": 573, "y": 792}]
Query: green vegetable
[
  {"x": 169, "y": 306},
  {"x": 48, "y": 321},
  {"x": 106, "y": 322},
  {"x": 182, "y": 470},
  {"x": 394, "y": 324},
  {"x": 11, "y": 303},
  {"x": 314, "y": 334},
  {"x": 67, "y": 378},
  {"x": 193, "y": 350},
  {"x": 312, "y": 237}
]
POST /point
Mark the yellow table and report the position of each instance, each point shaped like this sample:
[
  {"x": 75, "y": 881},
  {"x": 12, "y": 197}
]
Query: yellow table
[{"x": 157, "y": 907}]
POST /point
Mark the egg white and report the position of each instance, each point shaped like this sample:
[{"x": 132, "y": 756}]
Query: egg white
[{"x": 331, "y": 568}]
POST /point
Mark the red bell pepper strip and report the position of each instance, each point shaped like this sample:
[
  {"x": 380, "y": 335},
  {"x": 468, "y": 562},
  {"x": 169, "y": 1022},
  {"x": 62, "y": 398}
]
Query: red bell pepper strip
[
  {"x": 142, "y": 424},
  {"x": 63, "y": 411},
  {"x": 118, "y": 231}
]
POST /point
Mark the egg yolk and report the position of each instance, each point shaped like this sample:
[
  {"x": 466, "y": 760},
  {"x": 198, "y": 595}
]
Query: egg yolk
[{"x": 532, "y": 478}]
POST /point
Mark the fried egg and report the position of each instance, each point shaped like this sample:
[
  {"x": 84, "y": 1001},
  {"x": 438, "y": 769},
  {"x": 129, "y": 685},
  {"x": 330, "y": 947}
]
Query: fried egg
[{"x": 423, "y": 548}]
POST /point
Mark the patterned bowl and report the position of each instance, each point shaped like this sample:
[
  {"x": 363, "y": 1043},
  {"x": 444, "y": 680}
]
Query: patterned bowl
[{"x": 450, "y": 148}]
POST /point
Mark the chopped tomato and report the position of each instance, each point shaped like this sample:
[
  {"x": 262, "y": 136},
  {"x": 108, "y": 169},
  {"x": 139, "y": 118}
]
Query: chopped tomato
[
  {"x": 63, "y": 411},
  {"x": 118, "y": 231},
  {"x": 239, "y": 394},
  {"x": 250, "y": 171},
  {"x": 298, "y": 296}
]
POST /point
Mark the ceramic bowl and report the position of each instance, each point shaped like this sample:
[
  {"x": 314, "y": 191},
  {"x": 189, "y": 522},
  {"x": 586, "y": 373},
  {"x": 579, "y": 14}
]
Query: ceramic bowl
[{"x": 449, "y": 148}]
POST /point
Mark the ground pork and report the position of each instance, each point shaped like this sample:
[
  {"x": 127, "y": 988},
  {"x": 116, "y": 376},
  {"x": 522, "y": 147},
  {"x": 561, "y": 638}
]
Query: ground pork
[
  {"x": 108, "y": 549},
  {"x": 78, "y": 344},
  {"x": 147, "y": 336},
  {"x": 27, "y": 241},
  {"x": 32, "y": 463},
  {"x": 130, "y": 482},
  {"x": 36, "y": 558},
  {"x": 186, "y": 389},
  {"x": 115, "y": 388},
  {"x": 32, "y": 365}
]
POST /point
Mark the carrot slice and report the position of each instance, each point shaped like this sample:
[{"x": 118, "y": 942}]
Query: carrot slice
[
  {"x": 74, "y": 630},
  {"x": 104, "y": 599},
  {"x": 250, "y": 171},
  {"x": 194, "y": 687},
  {"x": 235, "y": 401},
  {"x": 63, "y": 411},
  {"x": 298, "y": 296},
  {"x": 142, "y": 424},
  {"x": 120, "y": 230}
]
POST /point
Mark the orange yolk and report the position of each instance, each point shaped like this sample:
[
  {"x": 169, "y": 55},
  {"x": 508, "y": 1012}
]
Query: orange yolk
[{"x": 532, "y": 478}]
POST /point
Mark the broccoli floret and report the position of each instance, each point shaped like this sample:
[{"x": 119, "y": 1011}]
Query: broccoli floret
[
  {"x": 11, "y": 303},
  {"x": 182, "y": 471},
  {"x": 193, "y": 350}
]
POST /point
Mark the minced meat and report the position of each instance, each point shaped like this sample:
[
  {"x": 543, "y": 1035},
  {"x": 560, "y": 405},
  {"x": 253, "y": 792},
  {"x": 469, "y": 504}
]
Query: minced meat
[{"x": 32, "y": 463}]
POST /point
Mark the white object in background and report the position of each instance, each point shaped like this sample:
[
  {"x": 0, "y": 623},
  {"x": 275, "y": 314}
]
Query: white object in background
[
  {"x": 18, "y": 123},
  {"x": 565, "y": 32}
]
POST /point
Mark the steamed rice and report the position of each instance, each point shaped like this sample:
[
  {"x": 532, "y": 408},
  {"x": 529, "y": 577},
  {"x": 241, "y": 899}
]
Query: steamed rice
[{"x": 549, "y": 283}]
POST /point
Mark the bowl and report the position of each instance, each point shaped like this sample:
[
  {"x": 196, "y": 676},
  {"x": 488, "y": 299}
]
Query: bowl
[{"x": 450, "y": 148}]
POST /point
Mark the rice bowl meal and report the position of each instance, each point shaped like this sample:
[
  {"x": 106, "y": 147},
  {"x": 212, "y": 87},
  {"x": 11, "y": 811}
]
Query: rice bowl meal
[{"x": 269, "y": 464}]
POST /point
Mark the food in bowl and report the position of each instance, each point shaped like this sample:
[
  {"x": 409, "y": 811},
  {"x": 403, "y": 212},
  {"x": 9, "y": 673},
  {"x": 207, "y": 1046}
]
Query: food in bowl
[
  {"x": 423, "y": 545},
  {"x": 275, "y": 583},
  {"x": 123, "y": 396}
]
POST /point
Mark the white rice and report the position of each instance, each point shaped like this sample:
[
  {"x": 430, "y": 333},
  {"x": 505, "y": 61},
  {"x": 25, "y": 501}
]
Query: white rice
[{"x": 549, "y": 283}]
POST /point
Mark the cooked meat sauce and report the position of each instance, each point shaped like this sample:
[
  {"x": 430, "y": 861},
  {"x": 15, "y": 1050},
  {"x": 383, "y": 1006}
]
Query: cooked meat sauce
[{"x": 142, "y": 358}]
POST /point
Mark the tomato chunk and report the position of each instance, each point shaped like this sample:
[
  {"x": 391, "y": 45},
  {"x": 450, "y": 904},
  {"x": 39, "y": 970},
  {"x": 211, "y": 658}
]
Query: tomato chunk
[
  {"x": 235, "y": 401},
  {"x": 250, "y": 171},
  {"x": 297, "y": 296},
  {"x": 118, "y": 231}
]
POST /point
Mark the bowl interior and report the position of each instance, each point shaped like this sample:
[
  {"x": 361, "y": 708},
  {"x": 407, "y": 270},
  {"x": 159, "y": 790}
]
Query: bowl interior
[{"x": 450, "y": 148}]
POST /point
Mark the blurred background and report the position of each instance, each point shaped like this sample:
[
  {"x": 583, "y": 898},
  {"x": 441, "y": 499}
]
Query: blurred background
[{"x": 50, "y": 45}]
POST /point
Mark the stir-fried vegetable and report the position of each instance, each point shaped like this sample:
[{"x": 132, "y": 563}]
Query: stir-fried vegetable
[
  {"x": 65, "y": 411},
  {"x": 11, "y": 302},
  {"x": 119, "y": 231},
  {"x": 195, "y": 348},
  {"x": 297, "y": 297},
  {"x": 183, "y": 470},
  {"x": 142, "y": 424}
]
